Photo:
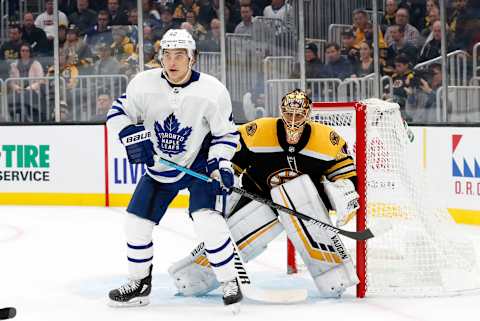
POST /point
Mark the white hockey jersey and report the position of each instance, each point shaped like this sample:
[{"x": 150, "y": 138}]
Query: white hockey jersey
[{"x": 178, "y": 117}]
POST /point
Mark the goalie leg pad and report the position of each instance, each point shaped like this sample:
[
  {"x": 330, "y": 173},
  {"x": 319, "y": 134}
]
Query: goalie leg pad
[
  {"x": 253, "y": 226},
  {"x": 138, "y": 232},
  {"x": 322, "y": 251}
]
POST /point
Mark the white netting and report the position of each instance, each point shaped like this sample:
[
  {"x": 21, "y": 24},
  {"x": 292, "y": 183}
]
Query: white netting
[{"x": 423, "y": 253}]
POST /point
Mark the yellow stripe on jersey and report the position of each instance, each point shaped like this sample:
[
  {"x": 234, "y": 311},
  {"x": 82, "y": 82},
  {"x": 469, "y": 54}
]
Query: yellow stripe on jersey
[
  {"x": 260, "y": 134},
  {"x": 346, "y": 175},
  {"x": 324, "y": 142},
  {"x": 339, "y": 165}
]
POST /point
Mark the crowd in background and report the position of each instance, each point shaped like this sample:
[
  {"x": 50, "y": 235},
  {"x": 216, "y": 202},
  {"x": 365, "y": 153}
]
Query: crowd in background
[{"x": 101, "y": 38}]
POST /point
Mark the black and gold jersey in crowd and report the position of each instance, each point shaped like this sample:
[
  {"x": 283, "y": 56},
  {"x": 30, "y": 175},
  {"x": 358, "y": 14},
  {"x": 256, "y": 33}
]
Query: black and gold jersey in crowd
[{"x": 267, "y": 159}]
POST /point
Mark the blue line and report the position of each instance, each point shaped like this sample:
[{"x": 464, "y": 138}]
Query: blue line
[
  {"x": 123, "y": 96},
  {"x": 140, "y": 247},
  {"x": 224, "y": 261},
  {"x": 218, "y": 249},
  {"x": 118, "y": 109},
  {"x": 234, "y": 133},
  {"x": 139, "y": 260},
  {"x": 173, "y": 173}
]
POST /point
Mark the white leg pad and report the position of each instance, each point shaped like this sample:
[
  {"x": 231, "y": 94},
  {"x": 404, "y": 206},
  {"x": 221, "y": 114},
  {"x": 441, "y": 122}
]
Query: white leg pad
[
  {"x": 211, "y": 227},
  {"x": 252, "y": 227},
  {"x": 322, "y": 251},
  {"x": 138, "y": 232}
]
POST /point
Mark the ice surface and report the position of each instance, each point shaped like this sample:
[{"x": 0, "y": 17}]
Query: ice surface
[{"x": 58, "y": 263}]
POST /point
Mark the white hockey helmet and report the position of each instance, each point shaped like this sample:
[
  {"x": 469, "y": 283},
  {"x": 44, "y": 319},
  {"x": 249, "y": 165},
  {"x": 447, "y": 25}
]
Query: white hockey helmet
[{"x": 178, "y": 39}]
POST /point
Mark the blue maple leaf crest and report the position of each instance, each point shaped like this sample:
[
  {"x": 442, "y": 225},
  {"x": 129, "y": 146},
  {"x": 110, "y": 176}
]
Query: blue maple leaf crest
[{"x": 171, "y": 138}]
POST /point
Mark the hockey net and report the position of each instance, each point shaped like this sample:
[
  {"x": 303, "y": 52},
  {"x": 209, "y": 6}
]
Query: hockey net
[{"x": 423, "y": 252}]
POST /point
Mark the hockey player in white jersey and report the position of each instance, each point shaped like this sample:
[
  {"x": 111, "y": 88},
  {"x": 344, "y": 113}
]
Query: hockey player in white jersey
[
  {"x": 299, "y": 164},
  {"x": 187, "y": 118}
]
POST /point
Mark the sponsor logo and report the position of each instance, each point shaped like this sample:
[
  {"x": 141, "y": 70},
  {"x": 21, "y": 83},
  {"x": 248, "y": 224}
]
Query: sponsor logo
[
  {"x": 126, "y": 173},
  {"x": 25, "y": 163},
  {"x": 465, "y": 167},
  {"x": 172, "y": 139}
]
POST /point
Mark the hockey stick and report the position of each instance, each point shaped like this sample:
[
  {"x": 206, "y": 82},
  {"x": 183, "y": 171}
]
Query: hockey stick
[
  {"x": 359, "y": 236},
  {"x": 7, "y": 313}
]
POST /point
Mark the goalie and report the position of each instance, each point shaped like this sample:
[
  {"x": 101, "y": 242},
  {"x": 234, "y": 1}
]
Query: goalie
[{"x": 299, "y": 164}]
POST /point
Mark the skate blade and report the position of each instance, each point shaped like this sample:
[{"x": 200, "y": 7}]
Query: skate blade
[
  {"x": 135, "y": 302},
  {"x": 234, "y": 308}
]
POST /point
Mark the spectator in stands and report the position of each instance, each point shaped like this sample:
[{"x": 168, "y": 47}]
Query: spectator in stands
[
  {"x": 67, "y": 6},
  {"x": 185, "y": 6},
  {"x": 10, "y": 50},
  {"x": 360, "y": 27},
  {"x": 421, "y": 101},
  {"x": 208, "y": 11},
  {"x": 246, "y": 25},
  {"x": 68, "y": 71},
  {"x": 103, "y": 104},
  {"x": 432, "y": 47},
  {"x": 403, "y": 78},
  {"x": 26, "y": 67},
  {"x": 314, "y": 68},
  {"x": 459, "y": 7},
  {"x": 365, "y": 64},
  {"x": 166, "y": 23},
  {"x": 278, "y": 9},
  {"x": 388, "y": 18},
  {"x": 117, "y": 15},
  {"x": 34, "y": 36},
  {"x": 433, "y": 15},
  {"x": 106, "y": 64},
  {"x": 257, "y": 6},
  {"x": 62, "y": 35},
  {"x": 122, "y": 47},
  {"x": 101, "y": 32},
  {"x": 149, "y": 57},
  {"x": 230, "y": 23},
  {"x": 411, "y": 33},
  {"x": 151, "y": 16},
  {"x": 349, "y": 49},
  {"x": 198, "y": 30},
  {"x": 84, "y": 18},
  {"x": 399, "y": 46},
  {"x": 337, "y": 66},
  {"x": 427, "y": 20},
  {"x": 24, "y": 99},
  {"x": 212, "y": 42},
  {"x": 76, "y": 50},
  {"x": 467, "y": 27},
  {"x": 44, "y": 20}
]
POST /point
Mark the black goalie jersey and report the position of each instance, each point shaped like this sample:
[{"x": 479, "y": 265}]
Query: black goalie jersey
[{"x": 267, "y": 160}]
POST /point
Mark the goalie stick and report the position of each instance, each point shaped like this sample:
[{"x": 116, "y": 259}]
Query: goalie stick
[{"x": 359, "y": 236}]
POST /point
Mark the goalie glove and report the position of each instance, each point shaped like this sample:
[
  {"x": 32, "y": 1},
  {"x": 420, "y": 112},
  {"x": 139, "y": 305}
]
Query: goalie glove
[
  {"x": 138, "y": 145},
  {"x": 343, "y": 198}
]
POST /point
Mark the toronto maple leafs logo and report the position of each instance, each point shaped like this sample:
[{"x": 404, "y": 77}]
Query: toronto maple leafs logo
[{"x": 171, "y": 139}]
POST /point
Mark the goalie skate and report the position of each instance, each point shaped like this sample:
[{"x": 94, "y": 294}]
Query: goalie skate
[{"x": 232, "y": 295}]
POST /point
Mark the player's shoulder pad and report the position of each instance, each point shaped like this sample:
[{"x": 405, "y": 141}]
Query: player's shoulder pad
[
  {"x": 324, "y": 143},
  {"x": 261, "y": 132}
]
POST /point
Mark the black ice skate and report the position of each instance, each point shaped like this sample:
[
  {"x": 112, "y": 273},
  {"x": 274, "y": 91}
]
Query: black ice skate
[
  {"x": 232, "y": 295},
  {"x": 133, "y": 293}
]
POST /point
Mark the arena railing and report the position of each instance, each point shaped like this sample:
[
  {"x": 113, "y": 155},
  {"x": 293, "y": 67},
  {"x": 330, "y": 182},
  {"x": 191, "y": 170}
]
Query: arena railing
[
  {"x": 28, "y": 105},
  {"x": 209, "y": 62},
  {"x": 3, "y": 101},
  {"x": 475, "y": 57},
  {"x": 335, "y": 32},
  {"x": 457, "y": 67},
  {"x": 325, "y": 89},
  {"x": 274, "y": 37},
  {"x": 3, "y": 19},
  {"x": 241, "y": 71},
  {"x": 354, "y": 89},
  {"x": 463, "y": 104},
  {"x": 82, "y": 98}
]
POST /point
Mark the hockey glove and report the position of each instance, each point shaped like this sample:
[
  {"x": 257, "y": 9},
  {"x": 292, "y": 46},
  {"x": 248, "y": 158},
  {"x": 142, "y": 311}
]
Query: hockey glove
[
  {"x": 138, "y": 145},
  {"x": 221, "y": 170}
]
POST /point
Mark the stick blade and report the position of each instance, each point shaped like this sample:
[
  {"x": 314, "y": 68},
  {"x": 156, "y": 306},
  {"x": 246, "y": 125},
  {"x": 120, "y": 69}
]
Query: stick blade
[{"x": 359, "y": 236}]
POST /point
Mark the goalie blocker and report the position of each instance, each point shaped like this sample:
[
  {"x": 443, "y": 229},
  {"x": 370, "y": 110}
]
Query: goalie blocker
[{"x": 255, "y": 225}]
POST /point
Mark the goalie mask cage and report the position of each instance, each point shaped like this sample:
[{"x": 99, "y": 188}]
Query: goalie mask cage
[{"x": 422, "y": 251}]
